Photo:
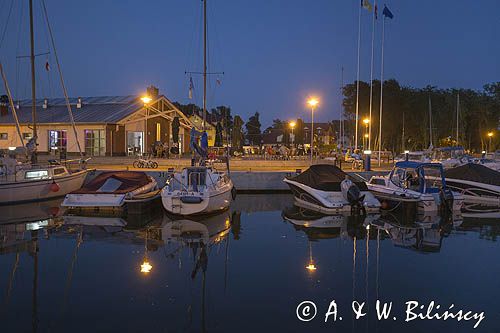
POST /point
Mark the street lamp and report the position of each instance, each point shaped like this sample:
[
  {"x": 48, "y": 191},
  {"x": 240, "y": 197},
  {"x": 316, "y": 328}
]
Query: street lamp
[
  {"x": 366, "y": 121},
  {"x": 292, "y": 126},
  {"x": 490, "y": 135},
  {"x": 312, "y": 103},
  {"x": 145, "y": 99}
]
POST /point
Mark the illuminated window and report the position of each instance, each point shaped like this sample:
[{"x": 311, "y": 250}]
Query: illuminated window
[
  {"x": 4, "y": 136},
  {"x": 27, "y": 136},
  {"x": 38, "y": 174},
  {"x": 58, "y": 140},
  {"x": 158, "y": 132},
  {"x": 95, "y": 142}
]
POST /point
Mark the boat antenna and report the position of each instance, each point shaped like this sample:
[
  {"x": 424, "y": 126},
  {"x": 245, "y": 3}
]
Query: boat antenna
[
  {"x": 204, "y": 63},
  {"x": 61, "y": 78},
  {"x": 33, "y": 87}
]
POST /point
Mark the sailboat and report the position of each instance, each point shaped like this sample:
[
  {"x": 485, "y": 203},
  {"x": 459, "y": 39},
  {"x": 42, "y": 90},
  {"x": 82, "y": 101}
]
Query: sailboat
[
  {"x": 199, "y": 189},
  {"x": 31, "y": 181}
]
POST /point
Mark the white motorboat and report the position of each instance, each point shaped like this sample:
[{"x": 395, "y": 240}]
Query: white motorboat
[
  {"x": 477, "y": 183},
  {"x": 328, "y": 190},
  {"x": 450, "y": 157},
  {"x": 197, "y": 190},
  {"x": 415, "y": 156},
  {"x": 420, "y": 183},
  {"x": 25, "y": 182},
  {"x": 112, "y": 190}
]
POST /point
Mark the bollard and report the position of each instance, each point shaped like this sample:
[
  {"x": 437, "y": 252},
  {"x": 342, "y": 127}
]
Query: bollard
[
  {"x": 407, "y": 156},
  {"x": 368, "y": 154}
]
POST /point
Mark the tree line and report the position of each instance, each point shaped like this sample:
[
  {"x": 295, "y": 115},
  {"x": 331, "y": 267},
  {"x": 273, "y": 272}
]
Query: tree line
[{"x": 412, "y": 110}]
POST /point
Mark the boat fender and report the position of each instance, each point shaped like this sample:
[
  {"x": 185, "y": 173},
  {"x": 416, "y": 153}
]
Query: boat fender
[
  {"x": 233, "y": 192},
  {"x": 54, "y": 187}
]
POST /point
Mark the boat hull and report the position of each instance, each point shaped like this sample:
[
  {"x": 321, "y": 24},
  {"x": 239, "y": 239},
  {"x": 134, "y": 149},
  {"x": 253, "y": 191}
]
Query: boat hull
[
  {"x": 39, "y": 190},
  {"x": 180, "y": 202}
]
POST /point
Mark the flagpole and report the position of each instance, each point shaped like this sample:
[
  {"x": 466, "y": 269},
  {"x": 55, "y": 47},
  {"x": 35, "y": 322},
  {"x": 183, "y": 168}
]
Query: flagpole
[
  {"x": 342, "y": 134},
  {"x": 357, "y": 82},
  {"x": 371, "y": 78},
  {"x": 381, "y": 93}
]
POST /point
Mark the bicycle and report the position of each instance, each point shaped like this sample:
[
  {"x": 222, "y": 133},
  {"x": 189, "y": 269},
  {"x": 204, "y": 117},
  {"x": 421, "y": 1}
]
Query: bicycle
[{"x": 145, "y": 163}]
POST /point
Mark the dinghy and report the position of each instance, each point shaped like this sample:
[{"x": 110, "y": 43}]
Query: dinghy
[
  {"x": 113, "y": 190},
  {"x": 328, "y": 190}
]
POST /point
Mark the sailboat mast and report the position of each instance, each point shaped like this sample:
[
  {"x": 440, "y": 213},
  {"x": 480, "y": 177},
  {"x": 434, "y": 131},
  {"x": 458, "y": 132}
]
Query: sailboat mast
[
  {"x": 458, "y": 112},
  {"x": 204, "y": 62},
  {"x": 33, "y": 91},
  {"x": 430, "y": 122}
]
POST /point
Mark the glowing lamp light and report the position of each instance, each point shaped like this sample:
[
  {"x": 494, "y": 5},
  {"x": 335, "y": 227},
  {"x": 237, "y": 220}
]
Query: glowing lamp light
[
  {"x": 490, "y": 134},
  {"x": 292, "y": 124},
  {"x": 367, "y": 152},
  {"x": 146, "y": 267},
  {"x": 367, "y": 227},
  {"x": 366, "y": 121},
  {"x": 366, "y": 136},
  {"x": 311, "y": 267},
  {"x": 12, "y": 148},
  {"x": 483, "y": 152},
  {"x": 146, "y": 99},
  {"x": 313, "y": 102},
  {"x": 407, "y": 151}
]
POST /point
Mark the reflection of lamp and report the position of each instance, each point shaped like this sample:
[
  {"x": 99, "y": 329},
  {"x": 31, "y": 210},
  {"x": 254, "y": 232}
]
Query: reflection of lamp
[
  {"x": 311, "y": 267},
  {"x": 146, "y": 267},
  {"x": 292, "y": 126},
  {"x": 490, "y": 135}
]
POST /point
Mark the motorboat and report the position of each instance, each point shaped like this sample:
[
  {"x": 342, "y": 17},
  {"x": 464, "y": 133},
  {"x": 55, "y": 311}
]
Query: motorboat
[
  {"x": 450, "y": 157},
  {"x": 424, "y": 233},
  {"x": 487, "y": 162},
  {"x": 20, "y": 182},
  {"x": 197, "y": 190},
  {"x": 112, "y": 190},
  {"x": 477, "y": 183},
  {"x": 326, "y": 189},
  {"x": 422, "y": 184},
  {"x": 416, "y": 156}
]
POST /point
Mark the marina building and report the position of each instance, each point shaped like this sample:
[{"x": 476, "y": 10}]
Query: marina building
[{"x": 105, "y": 126}]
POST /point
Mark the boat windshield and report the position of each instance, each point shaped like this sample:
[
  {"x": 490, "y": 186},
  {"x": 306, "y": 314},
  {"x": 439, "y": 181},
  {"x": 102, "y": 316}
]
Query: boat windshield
[{"x": 433, "y": 178}]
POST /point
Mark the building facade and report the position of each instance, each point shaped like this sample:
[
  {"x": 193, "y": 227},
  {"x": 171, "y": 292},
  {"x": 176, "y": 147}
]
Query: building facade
[{"x": 105, "y": 126}]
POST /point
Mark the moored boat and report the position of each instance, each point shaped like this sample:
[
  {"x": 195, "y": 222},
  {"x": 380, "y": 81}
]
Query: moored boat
[
  {"x": 477, "y": 183},
  {"x": 112, "y": 190},
  {"x": 197, "y": 190},
  {"x": 21, "y": 183},
  {"x": 420, "y": 183},
  {"x": 328, "y": 190}
]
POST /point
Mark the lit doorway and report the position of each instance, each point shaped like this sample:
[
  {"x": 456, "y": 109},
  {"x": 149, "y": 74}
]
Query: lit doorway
[{"x": 135, "y": 143}]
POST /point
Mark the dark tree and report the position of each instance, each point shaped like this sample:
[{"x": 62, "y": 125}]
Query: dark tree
[{"x": 254, "y": 134}]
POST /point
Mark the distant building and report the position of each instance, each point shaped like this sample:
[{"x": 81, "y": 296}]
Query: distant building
[
  {"x": 105, "y": 126},
  {"x": 323, "y": 132},
  {"x": 272, "y": 137}
]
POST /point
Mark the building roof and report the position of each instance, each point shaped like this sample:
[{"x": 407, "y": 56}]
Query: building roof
[
  {"x": 105, "y": 109},
  {"x": 270, "y": 136}
]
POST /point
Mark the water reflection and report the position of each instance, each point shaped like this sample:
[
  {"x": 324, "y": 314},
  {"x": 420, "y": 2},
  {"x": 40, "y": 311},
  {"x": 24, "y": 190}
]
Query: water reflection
[{"x": 201, "y": 274}]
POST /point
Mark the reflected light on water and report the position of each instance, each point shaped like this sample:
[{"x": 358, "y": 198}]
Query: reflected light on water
[{"x": 146, "y": 267}]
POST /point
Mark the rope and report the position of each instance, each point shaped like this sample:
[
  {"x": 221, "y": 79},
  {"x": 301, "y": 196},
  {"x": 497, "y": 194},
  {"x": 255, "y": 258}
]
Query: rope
[{"x": 68, "y": 105}]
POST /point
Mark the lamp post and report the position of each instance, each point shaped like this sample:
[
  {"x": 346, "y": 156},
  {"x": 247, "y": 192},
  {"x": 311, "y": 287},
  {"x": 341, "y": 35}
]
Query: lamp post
[
  {"x": 312, "y": 103},
  {"x": 366, "y": 121},
  {"x": 490, "y": 135},
  {"x": 292, "y": 126},
  {"x": 146, "y": 100}
]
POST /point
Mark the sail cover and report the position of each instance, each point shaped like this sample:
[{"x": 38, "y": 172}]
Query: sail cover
[
  {"x": 116, "y": 182},
  {"x": 325, "y": 177},
  {"x": 474, "y": 173}
]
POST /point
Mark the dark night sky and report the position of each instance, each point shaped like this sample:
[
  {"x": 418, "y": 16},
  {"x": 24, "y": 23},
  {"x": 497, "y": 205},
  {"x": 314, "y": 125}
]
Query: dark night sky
[{"x": 274, "y": 53}]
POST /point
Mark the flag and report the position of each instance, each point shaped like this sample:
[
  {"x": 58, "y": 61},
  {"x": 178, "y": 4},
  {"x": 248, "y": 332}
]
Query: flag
[
  {"x": 47, "y": 66},
  {"x": 387, "y": 13},
  {"x": 376, "y": 12},
  {"x": 366, "y": 5},
  {"x": 191, "y": 88}
]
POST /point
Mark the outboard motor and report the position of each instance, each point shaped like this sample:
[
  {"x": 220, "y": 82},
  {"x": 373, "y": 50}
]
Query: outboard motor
[
  {"x": 446, "y": 201},
  {"x": 352, "y": 194}
]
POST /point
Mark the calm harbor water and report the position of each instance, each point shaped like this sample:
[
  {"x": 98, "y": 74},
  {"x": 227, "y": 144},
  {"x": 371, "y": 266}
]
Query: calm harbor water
[{"x": 241, "y": 271}]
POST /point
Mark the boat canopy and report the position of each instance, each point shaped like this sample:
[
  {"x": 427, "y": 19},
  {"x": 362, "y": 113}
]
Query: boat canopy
[
  {"x": 416, "y": 164},
  {"x": 324, "y": 177},
  {"x": 475, "y": 173},
  {"x": 115, "y": 182}
]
